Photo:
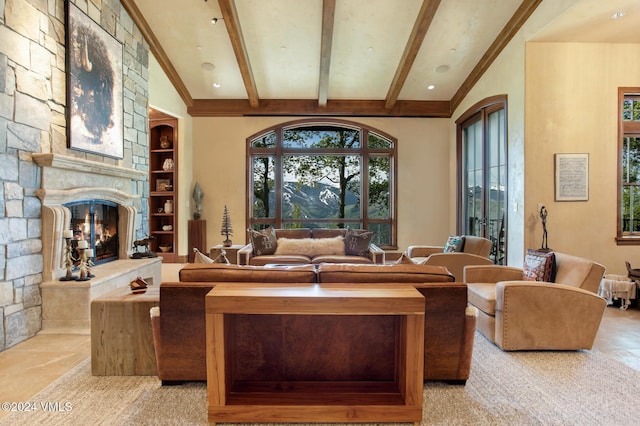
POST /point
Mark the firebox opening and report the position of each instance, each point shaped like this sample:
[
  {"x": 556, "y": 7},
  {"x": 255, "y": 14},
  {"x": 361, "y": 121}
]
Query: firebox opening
[{"x": 95, "y": 221}]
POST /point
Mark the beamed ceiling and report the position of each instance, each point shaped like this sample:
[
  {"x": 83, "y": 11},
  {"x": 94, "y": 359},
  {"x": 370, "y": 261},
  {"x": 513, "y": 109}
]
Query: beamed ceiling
[{"x": 350, "y": 57}]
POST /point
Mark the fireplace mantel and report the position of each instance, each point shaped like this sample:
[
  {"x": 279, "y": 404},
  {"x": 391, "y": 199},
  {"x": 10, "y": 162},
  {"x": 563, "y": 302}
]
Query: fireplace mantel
[
  {"x": 65, "y": 179},
  {"x": 66, "y": 162}
]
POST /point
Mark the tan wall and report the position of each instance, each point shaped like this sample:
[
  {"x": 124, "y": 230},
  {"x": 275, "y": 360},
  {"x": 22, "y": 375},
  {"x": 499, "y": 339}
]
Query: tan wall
[
  {"x": 507, "y": 76},
  {"x": 423, "y": 168},
  {"x": 571, "y": 107}
]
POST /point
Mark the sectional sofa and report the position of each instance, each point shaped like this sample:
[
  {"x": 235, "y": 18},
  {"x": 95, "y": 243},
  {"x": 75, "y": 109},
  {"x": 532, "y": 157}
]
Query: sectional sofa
[{"x": 179, "y": 330}]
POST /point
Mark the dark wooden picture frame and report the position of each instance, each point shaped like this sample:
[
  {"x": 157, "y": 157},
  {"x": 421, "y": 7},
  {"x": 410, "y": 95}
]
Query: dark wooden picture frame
[
  {"x": 163, "y": 184},
  {"x": 94, "y": 86}
]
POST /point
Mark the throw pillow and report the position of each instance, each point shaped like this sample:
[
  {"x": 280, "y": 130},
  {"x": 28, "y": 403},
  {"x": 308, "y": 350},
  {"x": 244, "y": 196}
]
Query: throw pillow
[
  {"x": 263, "y": 242},
  {"x": 539, "y": 266},
  {"x": 356, "y": 243},
  {"x": 454, "y": 243},
  {"x": 201, "y": 257},
  {"x": 310, "y": 247},
  {"x": 404, "y": 259}
]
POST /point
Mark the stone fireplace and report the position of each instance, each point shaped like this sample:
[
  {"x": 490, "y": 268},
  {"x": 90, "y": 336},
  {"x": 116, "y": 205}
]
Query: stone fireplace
[{"x": 67, "y": 180}]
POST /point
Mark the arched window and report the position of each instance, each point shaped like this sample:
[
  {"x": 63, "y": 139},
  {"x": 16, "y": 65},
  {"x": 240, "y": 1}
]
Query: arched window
[{"x": 323, "y": 173}]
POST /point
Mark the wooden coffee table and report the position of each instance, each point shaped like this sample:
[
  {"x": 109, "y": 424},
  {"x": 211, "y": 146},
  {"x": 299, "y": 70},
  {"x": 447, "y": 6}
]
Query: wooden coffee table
[
  {"x": 121, "y": 338},
  {"x": 314, "y": 353}
]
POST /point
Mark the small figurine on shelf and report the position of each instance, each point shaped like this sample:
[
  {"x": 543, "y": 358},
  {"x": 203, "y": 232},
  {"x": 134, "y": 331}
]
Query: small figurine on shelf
[
  {"x": 165, "y": 143},
  {"x": 144, "y": 243},
  {"x": 226, "y": 228}
]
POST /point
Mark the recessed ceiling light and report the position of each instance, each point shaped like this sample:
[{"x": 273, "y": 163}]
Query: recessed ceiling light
[
  {"x": 431, "y": 87},
  {"x": 208, "y": 66},
  {"x": 618, "y": 14},
  {"x": 369, "y": 49},
  {"x": 216, "y": 85},
  {"x": 442, "y": 68}
]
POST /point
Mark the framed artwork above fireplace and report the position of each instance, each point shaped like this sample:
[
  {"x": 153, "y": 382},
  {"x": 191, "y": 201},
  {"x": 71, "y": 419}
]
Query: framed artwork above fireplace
[{"x": 94, "y": 86}]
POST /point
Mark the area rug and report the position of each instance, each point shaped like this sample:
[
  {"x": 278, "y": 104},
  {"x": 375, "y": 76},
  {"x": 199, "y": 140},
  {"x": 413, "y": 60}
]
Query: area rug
[{"x": 505, "y": 388}]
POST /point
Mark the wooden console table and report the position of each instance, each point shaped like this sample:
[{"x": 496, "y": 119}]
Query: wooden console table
[{"x": 318, "y": 353}]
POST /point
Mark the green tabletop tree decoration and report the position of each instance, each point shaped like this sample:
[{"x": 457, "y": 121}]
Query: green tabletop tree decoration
[{"x": 226, "y": 229}]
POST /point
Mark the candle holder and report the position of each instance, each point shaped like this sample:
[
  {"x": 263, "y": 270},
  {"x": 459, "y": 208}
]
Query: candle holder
[
  {"x": 90, "y": 263},
  {"x": 68, "y": 262},
  {"x": 84, "y": 274}
]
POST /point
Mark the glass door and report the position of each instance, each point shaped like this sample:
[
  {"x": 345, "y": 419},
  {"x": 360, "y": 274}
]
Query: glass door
[{"x": 482, "y": 173}]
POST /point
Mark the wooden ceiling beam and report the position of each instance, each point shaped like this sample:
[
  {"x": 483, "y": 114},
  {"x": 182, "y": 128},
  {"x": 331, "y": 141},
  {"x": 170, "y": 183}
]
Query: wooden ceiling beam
[
  {"x": 326, "y": 43},
  {"x": 230, "y": 16},
  {"x": 420, "y": 28},
  {"x": 310, "y": 107},
  {"x": 157, "y": 51},
  {"x": 526, "y": 8}
]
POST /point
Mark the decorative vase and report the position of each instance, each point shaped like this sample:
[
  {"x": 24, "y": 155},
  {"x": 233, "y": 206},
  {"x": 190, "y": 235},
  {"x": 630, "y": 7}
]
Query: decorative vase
[
  {"x": 168, "y": 164},
  {"x": 165, "y": 143},
  {"x": 168, "y": 206}
]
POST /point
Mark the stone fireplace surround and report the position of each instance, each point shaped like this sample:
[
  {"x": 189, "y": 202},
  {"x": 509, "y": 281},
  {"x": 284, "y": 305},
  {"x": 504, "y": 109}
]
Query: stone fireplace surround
[{"x": 66, "y": 305}]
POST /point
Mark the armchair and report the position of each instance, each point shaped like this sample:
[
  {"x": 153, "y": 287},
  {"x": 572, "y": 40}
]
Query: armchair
[
  {"x": 533, "y": 315},
  {"x": 475, "y": 251}
]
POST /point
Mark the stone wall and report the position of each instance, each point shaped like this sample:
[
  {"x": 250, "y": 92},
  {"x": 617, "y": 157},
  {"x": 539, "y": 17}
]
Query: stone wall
[{"x": 33, "y": 120}]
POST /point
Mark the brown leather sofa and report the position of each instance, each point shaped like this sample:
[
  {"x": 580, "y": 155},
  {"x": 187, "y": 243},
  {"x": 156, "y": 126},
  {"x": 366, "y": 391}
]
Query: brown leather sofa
[
  {"x": 179, "y": 330},
  {"x": 449, "y": 326},
  {"x": 246, "y": 254}
]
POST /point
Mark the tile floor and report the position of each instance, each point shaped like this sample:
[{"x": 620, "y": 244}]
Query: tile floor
[{"x": 30, "y": 366}]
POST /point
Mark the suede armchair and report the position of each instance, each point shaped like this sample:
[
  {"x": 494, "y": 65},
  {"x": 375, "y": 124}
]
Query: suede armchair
[
  {"x": 475, "y": 251},
  {"x": 533, "y": 315}
]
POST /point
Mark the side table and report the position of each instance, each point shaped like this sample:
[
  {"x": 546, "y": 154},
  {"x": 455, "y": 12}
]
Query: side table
[
  {"x": 121, "y": 338},
  {"x": 232, "y": 252}
]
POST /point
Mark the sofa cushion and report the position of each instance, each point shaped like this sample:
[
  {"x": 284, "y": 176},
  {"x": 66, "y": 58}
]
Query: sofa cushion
[
  {"x": 387, "y": 273},
  {"x": 285, "y": 259},
  {"x": 336, "y": 258},
  {"x": 454, "y": 243},
  {"x": 357, "y": 242},
  {"x": 482, "y": 296},
  {"x": 310, "y": 247},
  {"x": 220, "y": 272},
  {"x": 538, "y": 266},
  {"x": 293, "y": 233},
  {"x": 264, "y": 241},
  {"x": 328, "y": 232}
]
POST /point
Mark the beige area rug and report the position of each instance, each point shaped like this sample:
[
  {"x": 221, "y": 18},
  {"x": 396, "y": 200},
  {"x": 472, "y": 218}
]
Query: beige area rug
[{"x": 522, "y": 388}]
